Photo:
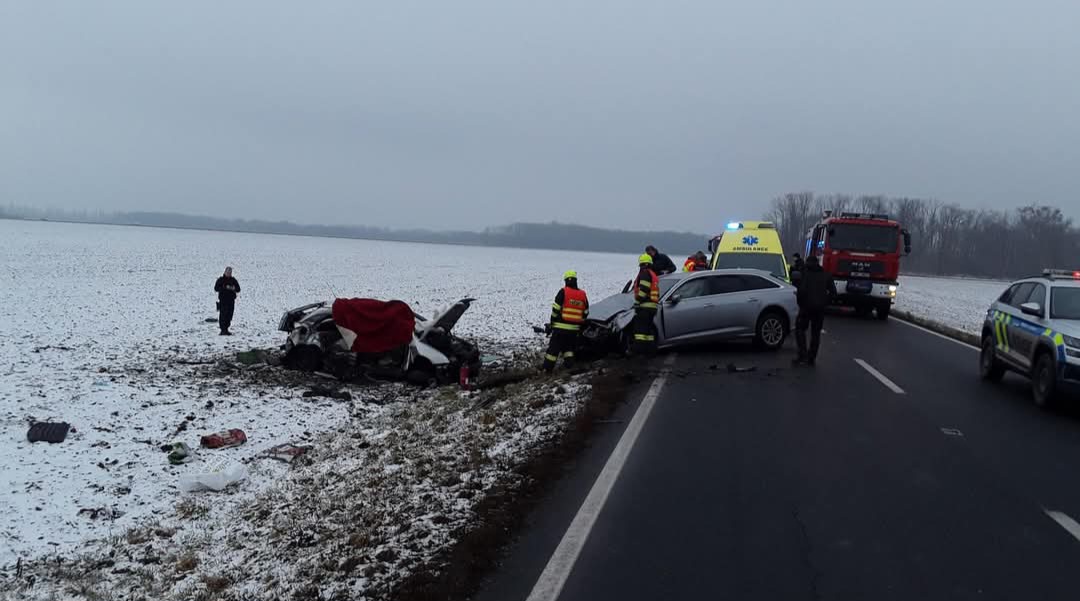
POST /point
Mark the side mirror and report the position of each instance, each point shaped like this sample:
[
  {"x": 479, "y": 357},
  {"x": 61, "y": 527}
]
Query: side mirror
[
  {"x": 1033, "y": 309},
  {"x": 674, "y": 299},
  {"x": 907, "y": 242}
]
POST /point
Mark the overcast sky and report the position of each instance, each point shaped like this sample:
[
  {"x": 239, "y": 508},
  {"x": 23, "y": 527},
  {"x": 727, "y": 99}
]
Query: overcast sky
[{"x": 466, "y": 114}]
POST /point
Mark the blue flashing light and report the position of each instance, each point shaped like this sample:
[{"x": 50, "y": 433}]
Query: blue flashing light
[{"x": 734, "y": 225}]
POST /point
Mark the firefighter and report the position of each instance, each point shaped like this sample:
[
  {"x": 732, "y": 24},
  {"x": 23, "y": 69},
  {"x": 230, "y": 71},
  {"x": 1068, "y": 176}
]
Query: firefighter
[
  {"x": 696, "y": 262},
  {"x": 815, "y": 288},
  {"x": 646, "y": 299},
  {"x": 568, "y": 312}
]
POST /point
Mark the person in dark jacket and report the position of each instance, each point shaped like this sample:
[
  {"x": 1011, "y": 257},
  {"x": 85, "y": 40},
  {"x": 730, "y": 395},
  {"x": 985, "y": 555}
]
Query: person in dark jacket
[
  {"x": 568, "y": 312},
  {"x": 797, "y": 267},
  {"x": 815, "y": 289},
  {"x": 661, "y": 263},
  {"x": 227, "y": 288}
]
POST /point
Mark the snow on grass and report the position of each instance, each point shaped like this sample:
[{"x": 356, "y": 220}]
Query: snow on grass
[
  {"x": 92, "y": 319},
  {"x": 960, "y": 303}
]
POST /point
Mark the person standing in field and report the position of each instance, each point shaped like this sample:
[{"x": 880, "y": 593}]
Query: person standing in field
[{"x": 227, "y": 288}]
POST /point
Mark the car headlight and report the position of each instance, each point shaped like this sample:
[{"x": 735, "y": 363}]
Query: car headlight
[
  {"x": 1071, "y": 341},
  {"x": 892, "y": 287}
]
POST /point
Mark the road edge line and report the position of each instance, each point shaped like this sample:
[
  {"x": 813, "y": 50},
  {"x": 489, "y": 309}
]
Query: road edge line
[
  {"x": 880, "y": 376},
  {"x": 549, "y": 585},
  {"x": 1070, "y": 525},
  {"x": 911, "y": 324}
]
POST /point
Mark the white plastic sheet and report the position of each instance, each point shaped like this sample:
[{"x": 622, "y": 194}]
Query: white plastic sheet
[{"x": 216, "y": 479}]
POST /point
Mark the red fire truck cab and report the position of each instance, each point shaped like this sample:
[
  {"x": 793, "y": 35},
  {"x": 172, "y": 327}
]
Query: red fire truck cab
[{"x": 862, "y": 252}]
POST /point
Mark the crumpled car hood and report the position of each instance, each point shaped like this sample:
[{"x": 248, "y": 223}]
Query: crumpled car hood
[{"x": 611, "y": 306}]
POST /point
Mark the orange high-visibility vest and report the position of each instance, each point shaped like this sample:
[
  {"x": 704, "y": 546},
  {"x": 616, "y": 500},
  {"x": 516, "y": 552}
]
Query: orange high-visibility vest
[
  {"x": 648, "y": 290},
  {"x": 574, "y": 309}
]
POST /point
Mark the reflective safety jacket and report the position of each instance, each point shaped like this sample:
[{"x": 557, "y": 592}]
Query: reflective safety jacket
[
  {"x": 647, "y": 289},
  {"x": 689, "y": 264},
  {"x": 570, "y": 309}
]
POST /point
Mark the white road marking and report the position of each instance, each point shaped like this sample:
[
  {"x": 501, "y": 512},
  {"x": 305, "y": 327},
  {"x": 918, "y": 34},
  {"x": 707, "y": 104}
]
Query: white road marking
[
  {"x": 881, "y": 377},
  {"x": 1065, "y": 522},
  {"x": 550, "y": 584},
  {"x": 939, "y": 335}
]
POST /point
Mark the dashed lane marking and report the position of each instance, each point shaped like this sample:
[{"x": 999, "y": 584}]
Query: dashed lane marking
[
  {"x": 880, "y": 377},
  {"x": 1065, "y": 522}
]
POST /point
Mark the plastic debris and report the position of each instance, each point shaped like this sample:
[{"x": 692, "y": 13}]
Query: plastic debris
[
  {"x": 179, "y": 453},
  {"x": 319, "y": 391},
  {"x": 216, "y": 479},
  {"x": 52, "y": 432},
  {"x": 224, "y": 439},
  {"x": 287, "y": 452}
]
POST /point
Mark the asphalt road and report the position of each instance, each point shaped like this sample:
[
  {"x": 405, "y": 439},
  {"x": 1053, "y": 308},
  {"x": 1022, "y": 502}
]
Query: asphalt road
[{"x": 831, "y": 483}]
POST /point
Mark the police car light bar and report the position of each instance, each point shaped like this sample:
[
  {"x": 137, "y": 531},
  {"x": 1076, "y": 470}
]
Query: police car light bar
[{"x": 1062, "y": 273}]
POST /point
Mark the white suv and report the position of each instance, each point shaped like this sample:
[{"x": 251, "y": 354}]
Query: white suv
[{"x": 1034, "y": 329}]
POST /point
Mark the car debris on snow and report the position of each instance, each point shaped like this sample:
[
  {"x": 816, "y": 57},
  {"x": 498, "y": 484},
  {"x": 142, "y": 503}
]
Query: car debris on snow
[
  {"x": 52, "y": 432},
  {"x": 287, "y": 452},
  {"x": 221, "y": 440},
  {"x": 380, "y": 339}
]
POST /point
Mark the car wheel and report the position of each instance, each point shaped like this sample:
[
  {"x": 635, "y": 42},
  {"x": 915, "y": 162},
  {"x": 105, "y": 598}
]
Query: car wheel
[
  {"x": 990, "y": 369},
  {"x": 1044, "y": 381},
  {"x": 771, "y": 331},
  {"x": 883, "y": 311}
]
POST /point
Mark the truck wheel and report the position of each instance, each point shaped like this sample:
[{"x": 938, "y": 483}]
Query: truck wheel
[
  {"x": 863, "y": 310},
  {"x": 883, "y": 311},
  {"x": 771, "y": 331},
  {"x": 1044, "y": 381},
  {"x": 990, "y": 369}
]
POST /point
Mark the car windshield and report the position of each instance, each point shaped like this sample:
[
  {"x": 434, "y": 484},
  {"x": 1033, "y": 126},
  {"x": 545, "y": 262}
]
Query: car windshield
[
  {"x": 865, "y": 238},
  {"x": 772, "y": 263},
  {"x": 1065, "y": 303}
]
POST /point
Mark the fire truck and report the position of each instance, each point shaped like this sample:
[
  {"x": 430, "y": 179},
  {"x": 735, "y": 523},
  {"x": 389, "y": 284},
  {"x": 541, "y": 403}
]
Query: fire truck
[{"x": 862, "y": 253}]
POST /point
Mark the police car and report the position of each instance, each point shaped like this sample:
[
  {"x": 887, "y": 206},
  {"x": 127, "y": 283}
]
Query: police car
[{"x": 1034, "y": 329}]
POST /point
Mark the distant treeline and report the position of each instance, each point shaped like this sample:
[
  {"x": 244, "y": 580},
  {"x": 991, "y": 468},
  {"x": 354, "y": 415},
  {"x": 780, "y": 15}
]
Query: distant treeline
[
  {"x": 947, "y": 239},
  {"x": 555, "y": 236}
]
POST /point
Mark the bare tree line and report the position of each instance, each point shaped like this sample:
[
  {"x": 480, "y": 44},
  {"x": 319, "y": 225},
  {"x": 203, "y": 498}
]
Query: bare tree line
[{"x": 947, "y": 239}]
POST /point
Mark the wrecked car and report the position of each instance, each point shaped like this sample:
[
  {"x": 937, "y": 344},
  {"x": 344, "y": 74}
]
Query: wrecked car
[
  {"x": 354, "y": 338},
  {"x": 700, "y": 307}
]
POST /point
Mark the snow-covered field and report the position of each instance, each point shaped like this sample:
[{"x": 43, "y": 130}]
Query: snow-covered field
[
  {"x": 960, "y": 303},
  {"x": 104, "y": 327},
  {"x": 93, "y": 320}
]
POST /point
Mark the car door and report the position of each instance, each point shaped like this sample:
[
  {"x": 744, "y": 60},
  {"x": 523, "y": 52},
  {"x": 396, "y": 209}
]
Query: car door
[
  {"x": 685, "y": 314},
  {"x": 738, "y": 303},
  {"x": 1010, "y": 323},
  {"x": 1026, "y": 330}
]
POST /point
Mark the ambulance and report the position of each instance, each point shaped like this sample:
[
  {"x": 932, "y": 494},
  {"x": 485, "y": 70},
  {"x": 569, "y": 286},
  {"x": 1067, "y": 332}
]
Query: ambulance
[{"x": 750, "y": 245}]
